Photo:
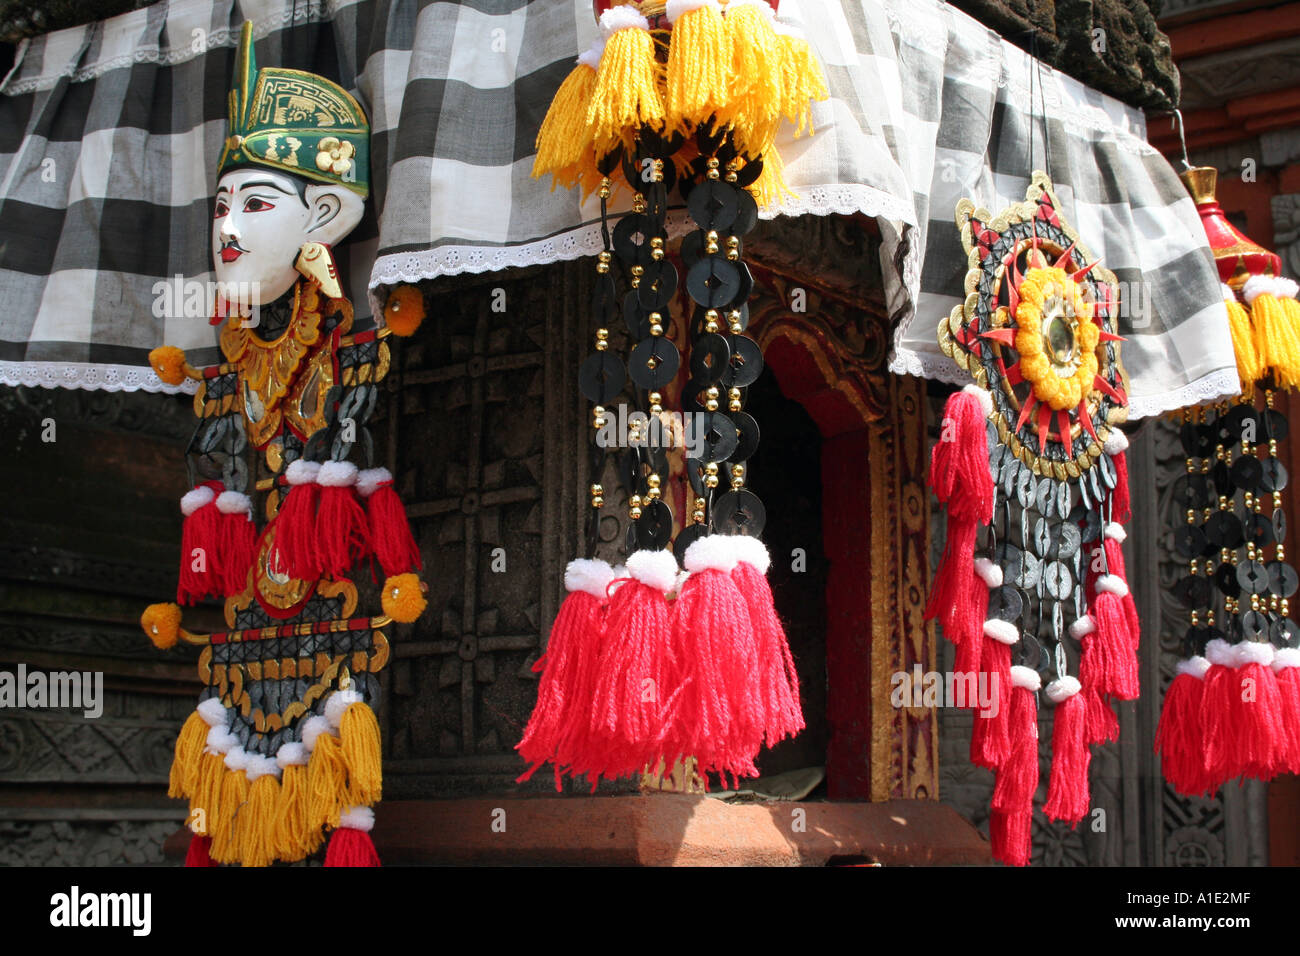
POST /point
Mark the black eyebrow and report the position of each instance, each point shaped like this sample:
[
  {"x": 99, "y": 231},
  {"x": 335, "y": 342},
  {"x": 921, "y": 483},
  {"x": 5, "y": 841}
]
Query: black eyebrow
[{"x": 265, "y": 182}]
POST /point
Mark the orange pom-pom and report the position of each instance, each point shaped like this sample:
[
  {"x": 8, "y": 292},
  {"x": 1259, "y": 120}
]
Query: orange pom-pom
[
  {"x": 403, "y": 598},
  {"x": 168, "y": 364},
  {"x": 162, "y": 623},
  {"x": 404, "y": 310}
]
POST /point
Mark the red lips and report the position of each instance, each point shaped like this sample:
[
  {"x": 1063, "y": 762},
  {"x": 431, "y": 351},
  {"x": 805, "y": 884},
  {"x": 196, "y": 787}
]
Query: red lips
[{"x": 231, "y": 253}]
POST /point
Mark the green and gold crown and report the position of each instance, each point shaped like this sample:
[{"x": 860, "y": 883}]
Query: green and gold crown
[{"x": 295, "y": 122}]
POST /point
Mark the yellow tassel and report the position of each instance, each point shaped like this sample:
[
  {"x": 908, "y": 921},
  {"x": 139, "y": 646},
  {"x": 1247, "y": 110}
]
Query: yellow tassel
[
  {"x": 327, "y": 783},
  {"x": 565, "y": 136},
  {"x": 626, "y": 95},
  {"x": 294, "y": 838},
  {"x": 770, "y": 188},
  {"x": 756, "y": 76},
  {"x": 1249, "y": 367},
  {"x": 255, "y": 823},
  {"x": 1276, "y": 340},
  {"x": 234, "y": 793},
  {"x": 801, "y": 81},
  {"x": 359, "y": 734},
  {"x": 699, "y": 60},
  {"x": 185, "y": 761},
  {"x": 206, "y": 802}
]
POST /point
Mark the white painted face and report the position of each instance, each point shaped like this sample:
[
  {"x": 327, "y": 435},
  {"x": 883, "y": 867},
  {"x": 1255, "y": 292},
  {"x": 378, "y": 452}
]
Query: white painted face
[{"x": 261, "y": 222}]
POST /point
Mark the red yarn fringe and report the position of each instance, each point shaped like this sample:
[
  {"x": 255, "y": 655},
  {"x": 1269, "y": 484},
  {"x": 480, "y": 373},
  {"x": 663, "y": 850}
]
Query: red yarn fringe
[
  {"x": 198, "y": 853},
  {"x": 390, "y": 532},
  {"x": 351, "y": 847},
  {"x": 990, "y": 742},
  {"x": 201, "y": 532},
  {"x": 1179, "y": 738},
  {"x": 1067, "y": 787},
  {"x": 295, "y": 533},
  {"x": 341, "y": 533},
  {"x": 778, "y": 678}
]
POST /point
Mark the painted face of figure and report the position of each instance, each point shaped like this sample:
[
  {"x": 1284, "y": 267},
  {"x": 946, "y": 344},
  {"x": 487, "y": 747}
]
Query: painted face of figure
[{"x": 261, "y": 220}]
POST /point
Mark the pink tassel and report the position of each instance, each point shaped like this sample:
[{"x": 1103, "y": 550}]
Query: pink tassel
[
  {"x": 990, "y": 744},
  {"x": 389, "y": 530},
  {"x": 295, "y": 523},
  {"x": 1017, "y": 777},
  {"x": 1286, "y": 666},
  {"x": 200, "y": 572},
  {"x": 1179, "y": 738},
  {"x": 1067, "y": 788},
  {"x": 779, "y": 680},
  {"x": 632, "y": 678},
  {"x": 341, "y": 532},
  {"x": 567, "y": 666},
  {"x": 238, "y": 536},
  {"x": 720, "y": 718}
]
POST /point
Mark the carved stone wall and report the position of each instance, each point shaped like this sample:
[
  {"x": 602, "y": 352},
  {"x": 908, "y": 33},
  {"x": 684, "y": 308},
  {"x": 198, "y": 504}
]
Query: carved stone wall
[{"x": 92, "y": 480}]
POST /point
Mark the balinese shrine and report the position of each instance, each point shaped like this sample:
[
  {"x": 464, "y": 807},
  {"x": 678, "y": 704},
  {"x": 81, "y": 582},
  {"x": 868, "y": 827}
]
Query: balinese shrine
[{"x": 654, "y": 423}]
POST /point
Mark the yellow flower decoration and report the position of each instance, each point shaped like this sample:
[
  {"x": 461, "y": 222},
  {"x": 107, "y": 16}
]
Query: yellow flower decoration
[
  {"x": 168, "y": 363},
  {"x": 1060, "y": 377},
  {"x": 334, "y": 156}
]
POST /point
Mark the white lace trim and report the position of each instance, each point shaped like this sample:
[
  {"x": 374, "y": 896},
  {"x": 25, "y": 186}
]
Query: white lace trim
[
  {"x": 1222, "y": 383},
  {"x": 841, "y": 199},
  {"x": 108, "y": 378},
  {"x": 224, "y": 37}
]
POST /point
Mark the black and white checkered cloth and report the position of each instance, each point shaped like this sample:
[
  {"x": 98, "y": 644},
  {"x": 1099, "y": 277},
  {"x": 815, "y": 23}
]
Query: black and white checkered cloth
[{"x": 109, "y": 135}]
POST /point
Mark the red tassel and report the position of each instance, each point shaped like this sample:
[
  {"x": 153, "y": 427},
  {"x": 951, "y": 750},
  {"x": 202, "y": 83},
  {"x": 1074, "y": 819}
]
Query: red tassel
[
  {"x": 389, "y": 530},
  {"x": 951, "y": 600},
  {"x": 198, "y": 853},
  {"x": 1107, "y": 663},
  {"x": 567, "y": 666},
  {"x": 720, "y": 718},
  {"x": 341, "y": 534},
  {"x": 1256, "y": 712},
  {"x": 632, "y": 675},
  {"x": 1017, "y": 777},
  {"x": 295, "y": 523},
  {"x": 959, "y": 461},
  {"x": 1101, "y": 726},
  {"x": 1286, "y": 666},
  {"x": 1119, "y": 501},
  {"x": 990, "y": 744},
  {"x": 1011, "y": 838},
  {"x": 1179, "y": 737},
  {"x": 351, "y": 847},
  {"x": 238, "y": 537},
  {"x": 1115, "y": 536},
  {"x": 778, "y": 678},
  {"x": 200, "y": 573},
  {"x": 1240, "y": 713},
  {"x": 1067, "y": 787}
]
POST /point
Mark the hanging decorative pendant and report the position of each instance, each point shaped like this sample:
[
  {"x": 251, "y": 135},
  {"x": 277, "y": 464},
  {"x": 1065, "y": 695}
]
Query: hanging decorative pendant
[
  {"x": 1031, "y": 470},
  {"x": 1233, "y": 708},
  {"x": 650, "y": 666}
]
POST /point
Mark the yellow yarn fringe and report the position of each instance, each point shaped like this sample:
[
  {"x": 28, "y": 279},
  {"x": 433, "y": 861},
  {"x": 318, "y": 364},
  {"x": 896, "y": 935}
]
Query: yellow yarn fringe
[
  {"x": 699, "y": 60},
  {"x": 234, "y": 794},
  {"x": 185, "y": 761},
  {"x": 626, "y": 94},
  {"x": 801, "y": 82},
  {"x": 1249, "y": 368},
  {"x": 207, "y": 790},
  {"x": 327, "y": 782},
  {"x": 359, "y": 734},
  {"x": 1277, "y": 340},
  {"x": 756, "y": 79},
  {"x": 255, "y": 822},
  {"x": 293, "y": 836},
  {"x": 565, "y": 136},
  {"x": 770, "y": 188}
]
